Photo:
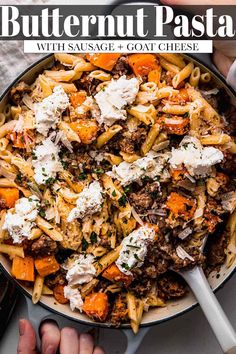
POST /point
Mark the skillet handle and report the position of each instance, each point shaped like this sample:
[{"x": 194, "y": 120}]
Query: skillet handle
[
  {"x": 212, "y": 309},
  {"x": 38, "y": 314},
  {"x": 134, "y": 340}
]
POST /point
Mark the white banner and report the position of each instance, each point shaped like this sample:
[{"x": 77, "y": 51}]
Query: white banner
[{"x": 118, "y": 46}]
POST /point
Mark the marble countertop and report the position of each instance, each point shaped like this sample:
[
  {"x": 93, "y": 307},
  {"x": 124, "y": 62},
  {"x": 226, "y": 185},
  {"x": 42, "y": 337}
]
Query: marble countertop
[{"x": 187, "y": 334}]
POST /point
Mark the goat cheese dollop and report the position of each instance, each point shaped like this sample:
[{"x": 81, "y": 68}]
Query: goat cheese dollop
[
  {"x": 114, "y": 98},
  {"x": 74, "y": 296},
  {"x": 46, "y": 162},
  {"x": 48, "y": 112},
  {"x": 20, "y": 220},
  {"x": 197, "y": 159},
  {"x": 134, "y": 249},
  {"x": 152, "y": 165},
  {"x": 80, "y": 269},
  {"x": 89, "y": 202}
]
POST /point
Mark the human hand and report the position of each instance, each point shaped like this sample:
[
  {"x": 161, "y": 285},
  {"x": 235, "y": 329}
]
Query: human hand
[{"x": 67, "y": 341}]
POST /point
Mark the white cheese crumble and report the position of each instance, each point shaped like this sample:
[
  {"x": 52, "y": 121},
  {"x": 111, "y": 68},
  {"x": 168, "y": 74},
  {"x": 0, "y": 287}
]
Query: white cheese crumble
[
  {"x": 46, "y": 162},
  {"x": 134, "y": 249},
  {"x": 20, "y": 220},
  {"x": 116, "y": 95},
  {"x": 48, "y": 112},
  {"x": 80, "y": 269},
  {"x": 151, "y": 166},
  {"x": 89, "y": 202},
  {"x": 74, "y": 296},
  {"x": 197, "y": 159}
]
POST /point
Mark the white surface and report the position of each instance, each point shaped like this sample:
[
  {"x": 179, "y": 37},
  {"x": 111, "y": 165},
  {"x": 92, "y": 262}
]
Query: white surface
[{"x": 188, "y": 334}]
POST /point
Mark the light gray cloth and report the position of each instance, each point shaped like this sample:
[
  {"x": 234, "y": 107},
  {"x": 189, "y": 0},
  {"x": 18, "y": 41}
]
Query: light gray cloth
[
  {"x": 12, "y": 58},
  {"x": 13, "y": 61}
]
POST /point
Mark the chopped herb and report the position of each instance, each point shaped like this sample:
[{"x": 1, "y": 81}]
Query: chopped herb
[
  {"x": 132, "y": 246},
  {"x": 50, "y": 180},
  {"x": 114, "y": 194},
  {"x": 186, "y": 115},
  {"x": 43, "y": 169},
  {"x": 145, "y": 178},
  {"x": 122, "y": 200},
  {"x": 100, "y": 265},
  {"x": 42, "y": 212},
  {"x": 136, "y": 257},
  {"x": 185, "y": 146},
  {"x": 34, "y": 157},
  {"x": 82, "y": 176},
  {"x": 98, "y": 171},
  {"x": 201, "y": 182},
  {"x": 93, "y": 237},
  {"x": 84, "y": 244},
  {"x": 128, "y": 189},
  {"x": 19, "y": 177},
  {"x": 30, "y": 199},
  {"x": 64, "y": 164},
  {"x": 109, "y": 234},
  {"x": 125, "y": 266}
]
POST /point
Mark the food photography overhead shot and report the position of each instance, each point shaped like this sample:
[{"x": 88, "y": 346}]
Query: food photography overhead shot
[{"x": 117, "y": 181}]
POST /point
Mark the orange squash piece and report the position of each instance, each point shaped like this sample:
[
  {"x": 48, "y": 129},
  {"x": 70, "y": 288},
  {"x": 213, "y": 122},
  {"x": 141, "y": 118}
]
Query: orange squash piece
[
  {"x": 178, "y": 174},
  {"x": 86, "y": 130},
  {"x": 142, "y": 64},
  {"x": 58, "y": 293},
  {"x": 174, "y": 124},
  {"x": 181, "y": 206},
  {"x": 105, "y": 61},
  {"x": 77, "y": 98},
  {"x": 155, "y": 75},
  {"x": 113, "y": 273},
  {"x": 10, "y": 196},
  {"x": 96, "y": 306},
  {"x": 23, "y": 268},
  {"x": 46, "y": 265}
]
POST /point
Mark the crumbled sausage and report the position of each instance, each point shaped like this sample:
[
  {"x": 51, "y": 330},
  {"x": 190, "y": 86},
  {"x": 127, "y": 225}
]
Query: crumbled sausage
[
  {"x": 43, "y": 246},
  {"x": 216, "y": 246},
  {"x": 119, "y": 310},
  {"x": 18, "y": 91},
  {"x": 2, "y": 204},
  {"x": 121, "y": 67},
  {"x": 171, "y": 286},
  {"x": 144, "y": 199},
  {"x": 88, "y": 84}
]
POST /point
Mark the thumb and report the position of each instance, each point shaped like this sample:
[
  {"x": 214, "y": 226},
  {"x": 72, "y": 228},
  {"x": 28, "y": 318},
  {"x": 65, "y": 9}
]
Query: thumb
[{"x": 27, "y": 340}]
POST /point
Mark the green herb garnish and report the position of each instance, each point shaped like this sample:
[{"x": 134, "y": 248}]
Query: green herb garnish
[
  {"x": 84, "y": 244},
  {"x": 93, "y": 237}
]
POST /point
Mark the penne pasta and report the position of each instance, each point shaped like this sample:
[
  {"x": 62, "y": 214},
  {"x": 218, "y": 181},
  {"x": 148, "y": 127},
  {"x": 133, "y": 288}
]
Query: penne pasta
[
  {"x": 169, "y": 67},
  {"x": 175, "y": 59},
  {"x": 108, "y": 135},
  {"x": 151, "y": 137},
  {"x": 182, "y": 75},
  {"x": 38, "y": 289},
  {"x": 195, "y": 77},
  {"x": 12, "y": 250},
  {"x": 49, "y": 229}
]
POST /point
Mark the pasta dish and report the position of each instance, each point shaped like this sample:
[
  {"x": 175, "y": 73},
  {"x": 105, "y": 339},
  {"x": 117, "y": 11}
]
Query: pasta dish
[{"x": 113, "y": 169}]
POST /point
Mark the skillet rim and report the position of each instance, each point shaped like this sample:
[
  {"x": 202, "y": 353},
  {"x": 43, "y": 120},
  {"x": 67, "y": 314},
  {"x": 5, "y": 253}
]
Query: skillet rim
[{"x": 211, "y": 69}]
